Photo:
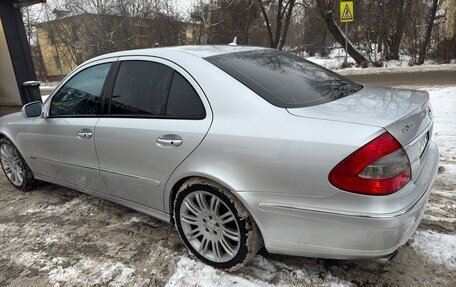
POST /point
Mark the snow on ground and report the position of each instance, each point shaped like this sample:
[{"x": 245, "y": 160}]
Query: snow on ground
[
  {"x": 398, "y": 69},
  {"x": 443, "y": 102},
  {"x": 336, "y": 57},
  {"x": 333, "y": 61},
  {"x": 194, "y": 273},
  {"x": 439, "y": 248}
]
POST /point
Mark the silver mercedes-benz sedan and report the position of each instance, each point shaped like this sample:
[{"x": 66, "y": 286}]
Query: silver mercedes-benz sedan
[{"x": 240, "y": 147}]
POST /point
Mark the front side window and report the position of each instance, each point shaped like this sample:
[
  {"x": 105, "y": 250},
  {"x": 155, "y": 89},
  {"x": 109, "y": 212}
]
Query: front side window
[
  {"x": 140, "y": 89},
  {"x": 80, "y": 96}
]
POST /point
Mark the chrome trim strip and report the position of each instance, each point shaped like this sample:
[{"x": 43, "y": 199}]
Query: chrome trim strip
[
  {"x": 344, "y": 213},
  {"x": 426, "y": 129},
  {"x": 154, "y": 181},
  {"x": 64, "y": 162}
]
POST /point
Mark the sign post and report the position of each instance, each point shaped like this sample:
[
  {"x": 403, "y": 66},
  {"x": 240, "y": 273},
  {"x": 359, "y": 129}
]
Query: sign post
[{"x": 346, "y": 15}]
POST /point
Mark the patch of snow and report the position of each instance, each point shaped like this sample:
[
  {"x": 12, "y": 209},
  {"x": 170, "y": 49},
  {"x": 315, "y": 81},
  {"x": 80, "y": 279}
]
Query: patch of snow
[
  {"x": 62, "y": 208},
  {"x": 91, "y": 272},
  {"x": 60, "y": 274},
  {"x": 30, "y": 258},
  {"x": 444, "y": 106},
  {"x": 439, "y": 219},
  {"x": 336, "y": 56},
  {"x": 191, "y": 273},
  {"x": 439, "y": 248},
  {"x": 448, "y": 194},
  {"x": 397, "y": 69},
  {"x": 331, "y": 281},
  {"x": 132, "y": 220}
]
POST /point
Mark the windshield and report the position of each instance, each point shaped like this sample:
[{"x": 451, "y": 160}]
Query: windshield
[{"x": 284, "y": 80}]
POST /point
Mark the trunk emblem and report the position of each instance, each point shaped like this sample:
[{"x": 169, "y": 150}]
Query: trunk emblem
[{"x": 408, "y": 127}]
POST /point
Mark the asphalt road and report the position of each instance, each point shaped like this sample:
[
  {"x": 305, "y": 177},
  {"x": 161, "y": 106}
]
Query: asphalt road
[{"x": 409, "y": 79}]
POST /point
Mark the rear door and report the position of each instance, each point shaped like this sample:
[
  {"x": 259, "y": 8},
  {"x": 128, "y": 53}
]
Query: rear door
[{"x": 155, "y": 115}]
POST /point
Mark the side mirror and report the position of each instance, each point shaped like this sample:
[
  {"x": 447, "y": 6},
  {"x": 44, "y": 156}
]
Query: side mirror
[{"x": 32, "y": 110}]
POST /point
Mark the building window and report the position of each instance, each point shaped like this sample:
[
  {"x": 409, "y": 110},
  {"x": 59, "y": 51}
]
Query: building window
[
  {"x": 74, "y": 33},
  {"x": 79, "y": 58},
  {"x": 57, "y": 62},
  {"x": 51, "y": 37}
]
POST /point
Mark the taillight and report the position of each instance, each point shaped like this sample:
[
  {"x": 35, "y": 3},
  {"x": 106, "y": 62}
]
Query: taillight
[{"x": 380, "y": 167}]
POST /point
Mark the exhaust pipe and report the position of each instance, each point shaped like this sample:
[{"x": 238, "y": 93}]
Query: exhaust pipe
[{"x": 387, "y": 258}]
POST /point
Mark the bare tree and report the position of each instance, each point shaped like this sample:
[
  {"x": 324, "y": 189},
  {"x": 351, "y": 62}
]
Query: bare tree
[
  {"x": 283, "y": 11},
  {"x": 203, "y": 12},
  {"x": 427, "y": 37},
  {"x": 403, "y": 12}
]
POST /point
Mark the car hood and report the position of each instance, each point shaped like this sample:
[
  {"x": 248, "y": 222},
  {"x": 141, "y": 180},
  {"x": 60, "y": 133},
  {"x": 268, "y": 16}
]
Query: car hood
[{"x": 376, "y": 106}]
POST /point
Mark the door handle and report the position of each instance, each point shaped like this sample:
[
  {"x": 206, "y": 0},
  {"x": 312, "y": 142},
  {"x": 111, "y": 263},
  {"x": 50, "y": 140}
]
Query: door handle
[
  {"x": 85, "y": 133},
  {"x": 169, "y": 141}
]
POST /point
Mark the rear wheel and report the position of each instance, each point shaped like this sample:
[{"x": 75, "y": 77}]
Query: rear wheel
[
  {"x": 15, "y": 167},
  {"x": 215, "y": 226}
]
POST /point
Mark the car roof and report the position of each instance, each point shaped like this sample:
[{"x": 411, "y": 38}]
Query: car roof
[
  {"x": 200, "y": 51},
  {"x": 213, "y": 50}
]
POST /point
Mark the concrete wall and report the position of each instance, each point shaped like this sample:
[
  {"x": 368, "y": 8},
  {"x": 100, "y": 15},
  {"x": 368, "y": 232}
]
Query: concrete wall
[{"x": 9, "y": 92}]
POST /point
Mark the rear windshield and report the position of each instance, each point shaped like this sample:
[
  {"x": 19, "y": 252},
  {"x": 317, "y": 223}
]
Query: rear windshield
[{"x": 284, "y": 80}]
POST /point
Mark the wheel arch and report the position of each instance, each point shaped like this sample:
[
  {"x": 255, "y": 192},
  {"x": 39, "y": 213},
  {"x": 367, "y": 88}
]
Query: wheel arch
[
  {"x": 179, "y": 183},
  {"x": 171, "y": 194},
  {"x": 4, "y": 135}
]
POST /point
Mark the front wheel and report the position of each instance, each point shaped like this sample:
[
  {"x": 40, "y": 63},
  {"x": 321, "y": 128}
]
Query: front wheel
[
  {"x": 215, "y": 226},
  {"x": 15, "y": 167}
]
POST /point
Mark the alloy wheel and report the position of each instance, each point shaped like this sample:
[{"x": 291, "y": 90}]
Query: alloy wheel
[
  {"x": 12, "y": 164},
  {"x": 210, "y": 226}
]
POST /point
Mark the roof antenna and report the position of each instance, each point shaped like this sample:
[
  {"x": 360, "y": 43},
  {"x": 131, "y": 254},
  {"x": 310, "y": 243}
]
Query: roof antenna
[{"x": 234, "y": 43}]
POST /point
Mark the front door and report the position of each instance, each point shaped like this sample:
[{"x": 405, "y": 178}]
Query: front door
[
  {"x": 64, "y": 146},
  {"x": 156, "y": 116}
]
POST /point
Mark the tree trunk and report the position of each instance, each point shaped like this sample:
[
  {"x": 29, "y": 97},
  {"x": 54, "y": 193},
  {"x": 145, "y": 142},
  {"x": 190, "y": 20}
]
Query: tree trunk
[
  {"x": 268, "y": 24},
  {"x": 427, "y": 37},
  {"x": 335, "y": 31},
  {"x": 283, "y": 19},
  {"x": 284, "y": 31},
  {"x": 279, "y": 18},
  {"x": 402, "y": 16}
]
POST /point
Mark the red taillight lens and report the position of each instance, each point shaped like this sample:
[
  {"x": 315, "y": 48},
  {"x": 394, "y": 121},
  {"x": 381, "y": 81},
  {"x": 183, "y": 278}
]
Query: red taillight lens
[{"x": 380, "y": 167}]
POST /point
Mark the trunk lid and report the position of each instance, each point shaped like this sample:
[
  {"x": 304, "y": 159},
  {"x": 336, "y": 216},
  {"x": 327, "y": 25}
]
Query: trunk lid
[{"x": 405, "y": 114}]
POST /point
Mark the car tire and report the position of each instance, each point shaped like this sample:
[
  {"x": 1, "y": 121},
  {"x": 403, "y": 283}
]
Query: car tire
[
  {"x": 215, "y": 226},
  {"x": 14, "y": 166}
]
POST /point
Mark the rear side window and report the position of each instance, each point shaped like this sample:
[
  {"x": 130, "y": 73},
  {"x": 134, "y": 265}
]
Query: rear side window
[
  {"x": 284, "y": 80},
  {"x": 140, "y": 89},
  {"x": 183, "y": 101}
]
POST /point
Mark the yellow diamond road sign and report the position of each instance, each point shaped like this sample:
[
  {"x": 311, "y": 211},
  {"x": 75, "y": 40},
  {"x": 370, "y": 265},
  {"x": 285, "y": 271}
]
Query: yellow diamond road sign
[{"x": 346, "y": 11}]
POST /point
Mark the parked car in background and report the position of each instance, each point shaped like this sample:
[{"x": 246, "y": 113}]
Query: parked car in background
[{"x": 240, "y": 147}]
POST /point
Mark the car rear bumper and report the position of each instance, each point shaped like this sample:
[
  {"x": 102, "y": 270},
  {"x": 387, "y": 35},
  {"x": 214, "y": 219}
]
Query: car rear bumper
[{"x": 295, "y": 229}]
